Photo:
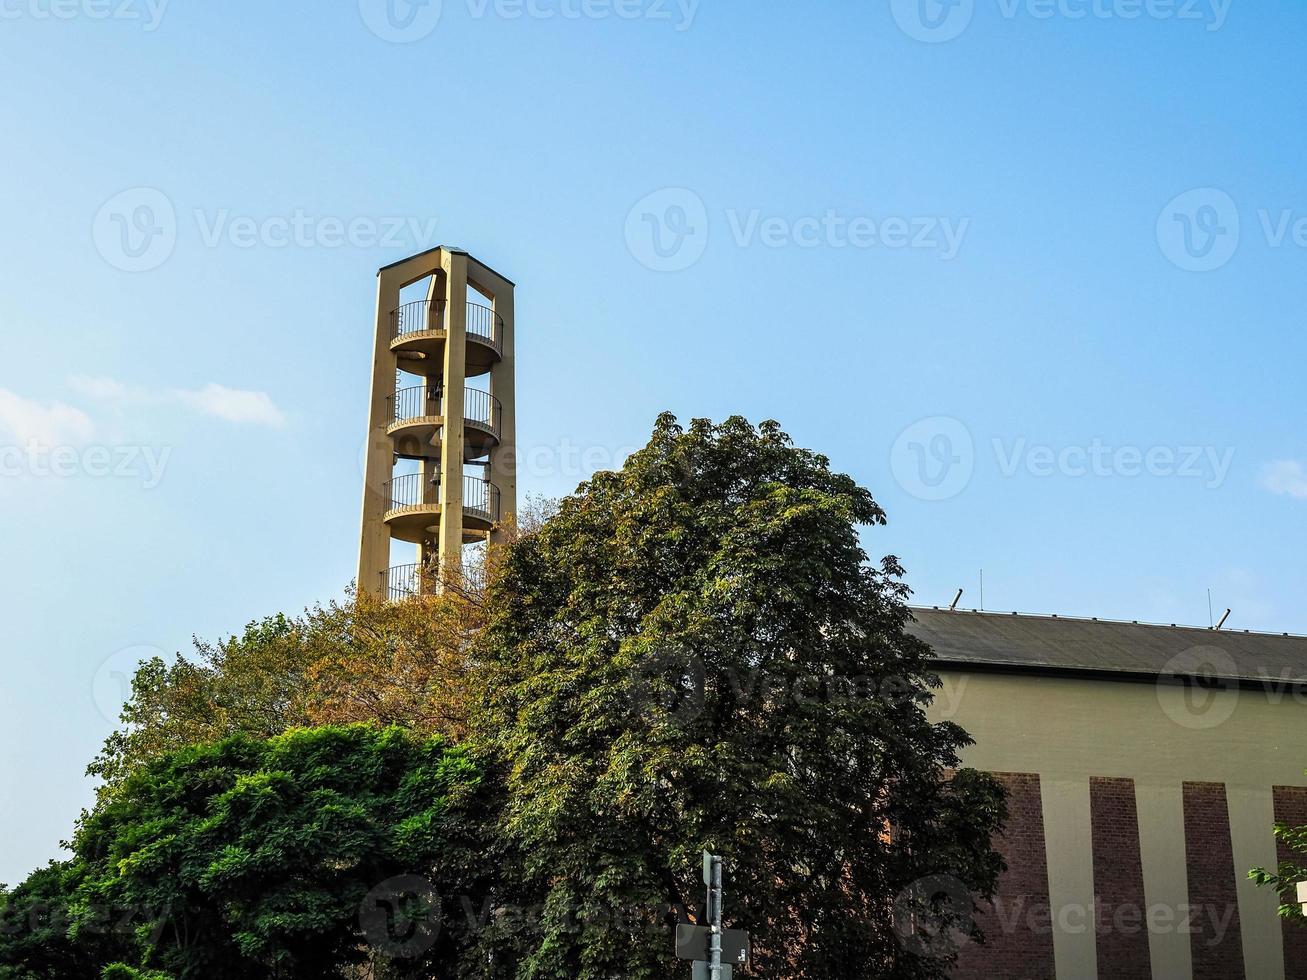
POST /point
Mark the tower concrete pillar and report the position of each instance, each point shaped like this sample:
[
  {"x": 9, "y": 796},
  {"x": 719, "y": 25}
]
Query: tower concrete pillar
[
  {"x": 451, "y": 448},
  {"x": 503, "y": 386},
  {"x": 378, "y": 464}
]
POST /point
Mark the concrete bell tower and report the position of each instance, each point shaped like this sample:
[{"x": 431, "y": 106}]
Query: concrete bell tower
[{"x": 441, "y": 458}]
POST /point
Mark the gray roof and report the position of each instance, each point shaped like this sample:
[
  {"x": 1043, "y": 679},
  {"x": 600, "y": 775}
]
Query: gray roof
[{"x": 1042, "y": 644}]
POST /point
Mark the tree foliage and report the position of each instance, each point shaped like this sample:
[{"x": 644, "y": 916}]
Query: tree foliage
[
  {"x": 288, "y": 857},
  {"x": 694, "y": 653},
  {"x": 1284, "y": 878},
  {"x": 362, "y": 660},
  {"x": 252, "y": 684},
  {"x": 35, "y": 919}
]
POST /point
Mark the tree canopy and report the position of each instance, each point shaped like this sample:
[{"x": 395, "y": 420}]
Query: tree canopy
[
  {"x": 362, "y": 660},
  {"x": 290, "y": 857},
  {"x": 35, "y": 918},
  {"x": 695, "y": 653}
]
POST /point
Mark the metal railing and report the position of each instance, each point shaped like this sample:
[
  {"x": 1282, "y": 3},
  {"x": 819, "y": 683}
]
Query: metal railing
[
  {"x": 480, "y": 408},
  {"x": 416, "y": 491},
  {"x": 410, "y": 492},
  {"x": 485, "y": 324},
  {"x": 418, "y": 402},
  {"x": 481, "y": 499},
  {"x": 410, "y": 581},
  {"x": 422, "y": 316},
  {"x": 402, "y": 582},
  {"x": 427, "y": 315}
]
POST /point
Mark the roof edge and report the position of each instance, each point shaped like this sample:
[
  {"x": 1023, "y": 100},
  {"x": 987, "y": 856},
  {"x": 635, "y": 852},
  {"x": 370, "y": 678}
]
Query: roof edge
[
  {"x": 447, "y": 248},
  {"x": 1107, "y": 674},
  {"x": 1055, "y": 617}
]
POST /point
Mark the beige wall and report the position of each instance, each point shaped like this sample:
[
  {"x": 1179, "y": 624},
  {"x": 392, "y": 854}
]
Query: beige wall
[{"x": 1067, "y": 729}]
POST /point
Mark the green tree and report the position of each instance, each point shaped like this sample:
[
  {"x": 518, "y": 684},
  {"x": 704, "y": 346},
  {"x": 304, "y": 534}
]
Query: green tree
[
  {"x": 34, "y": 922},
  {"x": 121, "y": 971},
  {"x": 252, "y": 684},
  {"x": 695, "y": 653},
  {"x": 359, "y": 660},
  {"x": 1285, "y": 876},
  {"x": 291, "y": 857}
]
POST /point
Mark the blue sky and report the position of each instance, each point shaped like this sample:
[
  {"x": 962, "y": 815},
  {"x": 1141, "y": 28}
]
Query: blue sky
[{"x": 1032, "y": 270}]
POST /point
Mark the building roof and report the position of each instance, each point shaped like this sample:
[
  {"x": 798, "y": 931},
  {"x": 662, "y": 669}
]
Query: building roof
[
  {"x": 447, "y": 248},
  {"x": 1054, "y": 644}
]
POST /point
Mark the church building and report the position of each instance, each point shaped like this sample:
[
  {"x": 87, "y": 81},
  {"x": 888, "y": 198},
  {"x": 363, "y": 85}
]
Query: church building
[{"x": 1146, "y": 767}]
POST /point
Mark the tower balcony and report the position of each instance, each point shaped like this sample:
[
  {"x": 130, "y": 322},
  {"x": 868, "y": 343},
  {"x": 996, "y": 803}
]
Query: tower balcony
[
  {"x": 402, "y": 582},
  {"x": 417, "y": 420},
  {"x": 413, "y": 504},
  {"x": 418, "y": 332}
]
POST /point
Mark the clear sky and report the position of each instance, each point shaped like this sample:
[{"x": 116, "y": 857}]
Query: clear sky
[{"x": 1033, "y": 271}]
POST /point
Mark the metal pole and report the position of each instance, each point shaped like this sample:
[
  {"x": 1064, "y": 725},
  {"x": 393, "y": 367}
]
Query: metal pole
[{"x": 715, "y": 964}]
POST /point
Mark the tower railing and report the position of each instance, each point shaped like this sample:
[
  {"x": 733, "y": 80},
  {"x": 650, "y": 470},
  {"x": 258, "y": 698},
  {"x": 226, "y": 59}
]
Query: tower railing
[
  {"x": 417, "y": 491},
  {"x": 428, "y": 315},
  {"x": 409, "y": 581},
  {"x": 402, "y": 582},
  {"x": 412, "y": 491},
  {"x": 422, "y": 316},
  {"x": 480, "y": 408},
  {"x": 481, "y": 498},
  {"x": 416, "y": 402},
  {"x": 486, "y": 324}
]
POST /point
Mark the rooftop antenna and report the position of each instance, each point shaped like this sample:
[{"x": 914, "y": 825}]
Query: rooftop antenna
[
  {"x": 1223, "y": 619},
  {"x": 1209, "y": 610},
  {"x": 982, "y": 590},
  {"x": 952, "y": 606}
]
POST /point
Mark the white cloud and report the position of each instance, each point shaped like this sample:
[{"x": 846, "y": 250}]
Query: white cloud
[
  {"x": 214, "y": 400},
  {"x": 233, "y": 405},
  {"x": 26, "y": 421},
  {"x": 1285, "y": 476}
]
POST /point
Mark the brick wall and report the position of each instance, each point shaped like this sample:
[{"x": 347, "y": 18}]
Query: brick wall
[
  {"x": 1018, "y": 930},
  {"x": 1122, "y": 941},
  {"x": 1214, "y": 938},
  {"x": 1291, "y": 808}
]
